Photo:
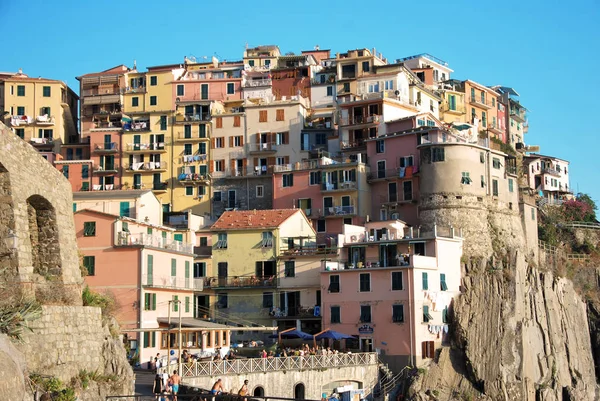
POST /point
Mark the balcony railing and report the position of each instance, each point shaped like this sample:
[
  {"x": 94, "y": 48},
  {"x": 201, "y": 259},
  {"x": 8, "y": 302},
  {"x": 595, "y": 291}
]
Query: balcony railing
[
  {"x": 355, "y": 144},
  {"x": 458, "y": 108},
  {"x": 252, "y": 83},
  {"x": 550, "y": 170},
  {"x": 518, "y": 114},
  {"x": 106, "y": 169},
  {"x": 262, "y": 147},
  {"x": 240, "y": 281},
  {"x": 137, "y": 126},
  {"x": 339, "y": 211},
  {"x": 193, "y": 178},
  {"x": 382, "y": 174},
  {"x": 44, "y": 120},
  {"x": 147, "y": 166},
  {"x": 100, "y": 92},
  {"x": 247, "y": 172},
  {"x": 42, "y": 141},
  {"x": 477, "y": 100},
  {"x": 203, "y": 250},
  {"x": 127, "y": 239},
  {"x": 307, "y": 250},
  {"x": 183, "y": 118},
  {"x": 145, "y": 147},
  {"x": 182, "y": 137},
  {"x": 160, "y": 186},
  {"x": 402, "y": 260},
  {"x": 178, "y": 283},
  {"x": 355, "y": 120},
  {"x": 264, "y": 365},
  {"x": 107, "y": 125},
  {"x": 110, "y": 147},
  {"x": 338, "y": 186}
]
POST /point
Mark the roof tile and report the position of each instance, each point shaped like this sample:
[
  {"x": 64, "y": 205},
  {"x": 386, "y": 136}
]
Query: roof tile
[{"x": 253, "y": 219}]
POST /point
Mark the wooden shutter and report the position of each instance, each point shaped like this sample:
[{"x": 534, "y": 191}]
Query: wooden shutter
[
  {"x": 231, "y": 142},
  {"x": 271, "y": 161},
  {"x": 241, "y": 140},
  {"x": 236, "y": 121},
  {"x": 280, "y": 115},
  {"x": 213, "y": 143},
  {"x": 286, "y": 159},
  {"x": 430, "y": 349},
  {"x": 257, "y": 138},
  {"x": 286, "y": 138},
  {"x": 245, "y": 164},
  {"x": 424, "y": 349},
  {"x": 262, "y": 116},
  {"x": 212, "y": 166},
  {"x": 232, "y": 165},
  {"x": 219, "y": 121}
]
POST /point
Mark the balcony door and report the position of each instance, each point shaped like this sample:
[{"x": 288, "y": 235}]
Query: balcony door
[
  {"x": 290, "y": 302},
  {"x": 222, "y": 273},
  {"x": 381, "y": 169}
]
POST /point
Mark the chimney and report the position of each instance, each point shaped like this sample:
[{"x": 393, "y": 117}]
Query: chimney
[
  {"x": 317, "y": 47},
  {"x": 374, "y": 52},
  {"x": 20, "y": 71}
]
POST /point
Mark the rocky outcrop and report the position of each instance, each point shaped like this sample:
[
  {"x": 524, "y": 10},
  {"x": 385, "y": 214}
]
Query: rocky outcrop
[{"x": 12, "y": 368}]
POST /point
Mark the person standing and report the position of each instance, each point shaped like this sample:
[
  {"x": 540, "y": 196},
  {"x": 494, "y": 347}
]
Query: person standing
[
  {"x": 175, "y": 381},
  {"x": 158, "y": 386}
]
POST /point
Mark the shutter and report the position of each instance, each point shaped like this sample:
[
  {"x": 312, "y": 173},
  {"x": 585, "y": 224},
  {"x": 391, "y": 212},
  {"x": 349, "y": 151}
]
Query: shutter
[
  {"x": 146, "y": 339},
  {"x": 211, "y": 166},
  {"x": 286, "y": 160},
  {"x": 424, "y": 349},
  {"x": 187, "y": 269},
  {"x": 257, "y": 136},
  {"x": 241, "y": 141},
  {"x": 286, "y": 138},
  {"x": 173, "y": 267},
  {"x": 153, "y": 339},
  {"x": 431, "y": 348},
  {"x": 231, "y": 142},
  {"x": 271, "y": 161},
  {"x": 232, "y": 164},
  {"x": 256, "y": 162},
  {"x": 212, "y": 143},
  {"x": 153, "y": 301},
  {"x": 245, "y": 164},
  {"x": 150, "y": 269},
  {"x": 146, "y": 301}
]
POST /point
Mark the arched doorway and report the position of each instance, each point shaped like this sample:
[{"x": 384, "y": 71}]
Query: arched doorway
[
  {"x": 299, "y": 391},
  {"x": 259, "y": 391}
]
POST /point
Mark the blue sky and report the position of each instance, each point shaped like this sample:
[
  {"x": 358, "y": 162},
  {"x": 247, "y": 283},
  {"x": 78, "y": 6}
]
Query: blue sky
[{"x": 547, "y": 50}]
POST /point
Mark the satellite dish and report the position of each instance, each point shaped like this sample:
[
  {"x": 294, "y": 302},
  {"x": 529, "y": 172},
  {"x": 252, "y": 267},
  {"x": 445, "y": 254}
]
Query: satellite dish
[{"x": 397, "y": 92}]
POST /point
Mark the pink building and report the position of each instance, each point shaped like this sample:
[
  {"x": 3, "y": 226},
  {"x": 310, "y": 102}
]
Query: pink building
[
  {"x": 392, "y": 289},
  {"x": 209, "y": 81}
]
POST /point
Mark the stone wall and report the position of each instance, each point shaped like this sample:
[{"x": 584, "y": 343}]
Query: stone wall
[{"x": 245, "y": 192}]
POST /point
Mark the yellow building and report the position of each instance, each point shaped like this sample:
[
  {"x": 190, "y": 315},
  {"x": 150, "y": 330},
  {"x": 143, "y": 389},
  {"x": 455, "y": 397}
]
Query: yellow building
[
  {"x": 352, "y": 65},
  {"x": 41, "y": 111},
  {"x": 246, "y": 249}
]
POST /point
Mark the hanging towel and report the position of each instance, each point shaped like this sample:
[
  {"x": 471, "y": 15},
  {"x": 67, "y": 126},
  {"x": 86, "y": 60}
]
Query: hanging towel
[{"x": 402, "y": 171}]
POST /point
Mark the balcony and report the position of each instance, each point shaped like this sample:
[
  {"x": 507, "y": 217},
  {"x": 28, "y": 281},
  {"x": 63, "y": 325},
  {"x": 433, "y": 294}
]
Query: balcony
[
  {"x": 388, "y": 174},
  {"x": 203, "y": 251},
  {"x": 397, "y": 199},
  {"x": 160, "y": 187},
  {"x": 339, "y": 211},
  {"x": 102, "y": 98},
  {"x": 106, "y": 169},
  {"x": 191, "y": 178},
  {"x": 495, "y": 128},
  {"x": 183, "y": 137},
  {"x": 519, "y": 115},
  {"x": 157, "y": 147},
  {"x": 457, "y": 108},
  {"x": 100, "y": 92},
  {"x": 187, "y": 118},
  {"x": 147, "y": 167},
  {"x": 478, "y": 101},
  {"x": 176, "y": 283},
  {"x": 41, "y": 142},
  {"x": 137, "y": 89},
  {"x": 44, "y": 120},
  {"x": 355, "y": 145},
  {"x": 360, "y": 120},
  {"x": 106, "y": 148},
  {"x": 551, "y": 171},
  {"x": 404, "y": 260},
  {"x": 261, "y": 148},
  {"x": 17, "y": 121},
  {"x": 253, "y": 83},
  {"x": 240, "y": 282},
  {"x": 248, "y": 172},
  {"x": 142, "y": 239},
  {"x": 137, "y": 126},
  {"x": 106, "y": 126},
  {"x": 338, "y": 186},
  {"x": 105, "y": 187},
  {"x": 308, "y": 251}
]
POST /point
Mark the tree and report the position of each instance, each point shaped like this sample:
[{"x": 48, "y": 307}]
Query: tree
[{"x": 582, "y": 208}]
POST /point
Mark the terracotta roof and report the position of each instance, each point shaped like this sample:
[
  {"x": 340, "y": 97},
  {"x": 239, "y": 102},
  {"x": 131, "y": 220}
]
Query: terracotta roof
[
  {"x": 26, "y": 78},
  {"x": 119, "y": 69},
  {"x": 253, "y": 219}
]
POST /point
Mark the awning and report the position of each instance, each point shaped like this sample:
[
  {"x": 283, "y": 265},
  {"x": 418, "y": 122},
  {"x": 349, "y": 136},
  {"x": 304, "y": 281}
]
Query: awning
[{"x": 323, "y": 113}]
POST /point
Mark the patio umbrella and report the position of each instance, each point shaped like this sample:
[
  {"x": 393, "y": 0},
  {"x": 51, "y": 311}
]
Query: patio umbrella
[
  {"x": 292, "y": 333},
  {"x": 332, "y": 335}
]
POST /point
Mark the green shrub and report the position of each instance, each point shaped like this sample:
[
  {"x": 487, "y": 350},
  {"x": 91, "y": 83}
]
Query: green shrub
[{"x": 14, "y": 317}]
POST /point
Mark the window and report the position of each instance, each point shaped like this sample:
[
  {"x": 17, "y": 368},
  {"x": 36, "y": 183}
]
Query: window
[
  {"x": 365, "y": 313},
  {"x": 267, "y": 239},
  {"x": 280, "y": 115},
  {"x": 406, "y": 161},
  {"x": 424, "y": 280},
  {"x": 290, "y": 268},
  {"x": 335, "y": 314},
  {"x": 420, "y": 122},
  {"x": 238, "y": 141},
  {"x": 365, "y": 66},
  {"x": 482, "y": 157},
  {"x": 262, "y": 116},
  {"x": 221, "y": 241},
  {"x": 163, "y": 123},
  {"x": 149, "y": 301},
  {"x": 482, "y": 181},
  {"x": 260, "y": 191},
  {"x": 219, "y": 165},
  {"x": 397, "y": 284},
  {"x": 314, "y": 178},
  {"x": 365, "y": 282},
  {"x": 380, "y": 146},
  {"x": 496, "y": 163},
  {"x": 199, "y": 269},
  {"x": 484, "y": 118},
  {"x": 222, "y": 301},
  {"x": 398, "y": 313},
  {"x": 187, "y": 132},
  {"x": 437, "y": 154},
  {"x": 21, "y": 134},
  {"x": 187, "y": 148},
  {"x": 334, "y": 283},
  {"x": 321, "y": 226},
  {"x": 20, "y": 110},
  {"x": 219, "y": 143},
  {"x": 237, "y": 121},
  {"x": 330, "y": 91},
  {"x": 135, "y": 101},
  {"x": 85, "y": 186},
  {"x": 189, "y": 191},
  {"x": 346, "y": 86},
  {"x": 428, "y": 349},
  {"x": 510, "y": 185},
  {"x": 180, "y": 90},
  {"x": 443, "y": 285},
  {"x": 219, "y": 122},
  {"x": 426, "y": 316},
  {"x": 466, "y": 179},
  {"x": 288, "y": 180},
  {"x": 89, "y": 262},
  {"x": 483, "y": 97},
  {"x": 175, "y": 303},
  {"x": 46, "y": 91},
  {"x": 472, "y": 94},
  {"x": 89, "y": 229},
  {"x": 65, "y": 171},
  {"x": 20, "y": 90},
  {"x": 152, "y": 100},
  {"x": 267, "y": 300},
  {"x": 495, "y": 187},
  {"x": 445, "y": 312},
  {"x": 153, "y": 80},
  {"x": 149, "y": 230},
  {"x": 230, "y": 88}
]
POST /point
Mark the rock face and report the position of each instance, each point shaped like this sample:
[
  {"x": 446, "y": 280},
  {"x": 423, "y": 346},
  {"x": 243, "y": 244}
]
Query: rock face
[
  {"x": 36, "y": 205},
  {"x": 520, "y": 333}
]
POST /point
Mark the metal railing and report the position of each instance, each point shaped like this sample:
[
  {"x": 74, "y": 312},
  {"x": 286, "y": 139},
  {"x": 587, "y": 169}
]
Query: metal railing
[
  {"x": 338, "y": 186},
  {"x": 339, "y": 210},
  {"x": 256, "y": 171},
  {"x": 479, "y": 101},
  {"x": 127, "y": 239},
  {"x": 192, "y": 117},
  {"x": 252, "y": 83},
  {"x": 173, "y": 282},
  {"x": 264, "y": 365},
  {"x": 147, "y": 166},
  {"x": 140, "y": 147},
  {"x": 262, "y": 147},
  {"x": 353, "y": 120},
  {"x": 106, "y": 147},
  {"x": 240, "y": 281}
]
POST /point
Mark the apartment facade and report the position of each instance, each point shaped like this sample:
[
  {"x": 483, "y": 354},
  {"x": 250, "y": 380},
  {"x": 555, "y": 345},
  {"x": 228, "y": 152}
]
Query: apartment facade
[
  {"x": 548, "y": 176},
  {"x": 392, "y": 288}
]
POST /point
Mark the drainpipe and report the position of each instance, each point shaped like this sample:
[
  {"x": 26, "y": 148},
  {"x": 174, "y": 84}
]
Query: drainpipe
[
  {"x": 140, "y": 335},
  {"x": 411, "y": 293},
  {"x": 173, "y": 174}
]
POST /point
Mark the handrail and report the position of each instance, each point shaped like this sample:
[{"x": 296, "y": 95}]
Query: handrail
[{"x": 252, "y": 365}]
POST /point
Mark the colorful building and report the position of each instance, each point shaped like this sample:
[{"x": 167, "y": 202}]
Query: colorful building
[
  {"x": 392, "y": 288},
  {"x": 548, "y": 176},
  {"x": 41, "y": 111}
]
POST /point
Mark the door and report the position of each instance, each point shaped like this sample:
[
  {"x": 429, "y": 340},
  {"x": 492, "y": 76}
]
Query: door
[
  {"x": 366, "y": 344},
  {"x": 407, "y": 189},
  {"x": 231, "y": 199},
  {"x": 137, "y": 181},
  {"x": 204, "y": 91},
  {"x": 202, "y": 306},
  {"x": 392, "y": 192},
  {"x": 381, "y": 169},
  {"x": 156, "y": 182},
  {"x": 136, "y": 142},
  {"x": 293, "y": 303},
  {"x": 328, "y": 205},
  {"x": 107, "y": 141},
  {"x": 346, "y": 207},
  {"x": 222, "y": 273}
]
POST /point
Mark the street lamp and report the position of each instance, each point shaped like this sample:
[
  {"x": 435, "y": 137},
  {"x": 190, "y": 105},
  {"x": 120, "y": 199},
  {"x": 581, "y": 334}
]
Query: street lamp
[{"x": 10, "y": 241}]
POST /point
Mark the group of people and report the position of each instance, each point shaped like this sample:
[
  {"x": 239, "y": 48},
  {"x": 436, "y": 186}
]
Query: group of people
[
  {"x": 303, "y": 350},
  {"x": 165, "y": 384},
  {"x": 218, "y": 389}
]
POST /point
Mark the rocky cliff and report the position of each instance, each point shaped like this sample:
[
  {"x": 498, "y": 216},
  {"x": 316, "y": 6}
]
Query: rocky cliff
[{"x": 519, "y": 331}]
